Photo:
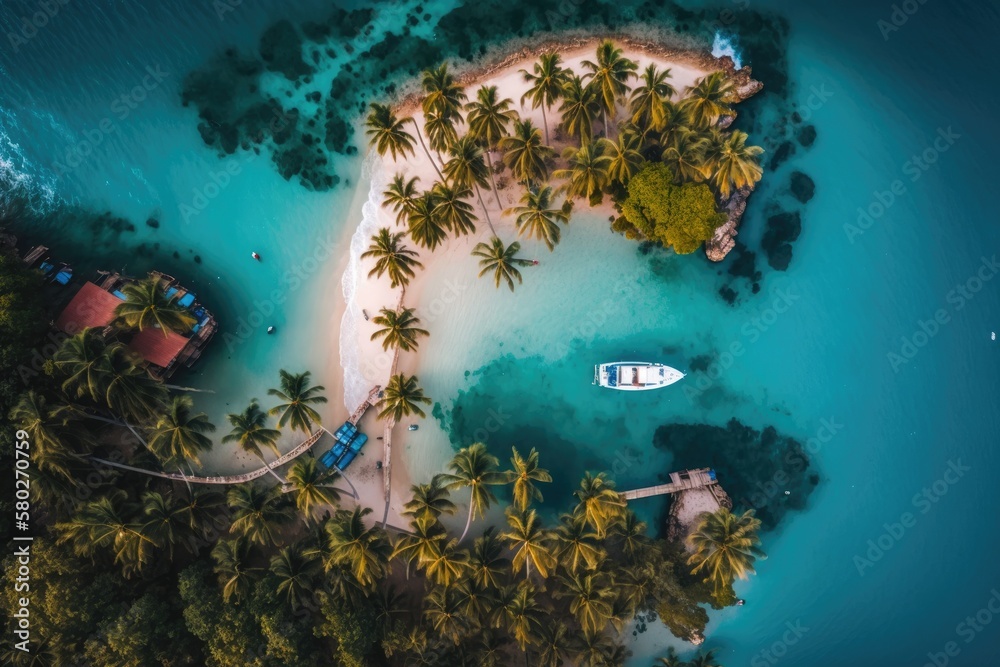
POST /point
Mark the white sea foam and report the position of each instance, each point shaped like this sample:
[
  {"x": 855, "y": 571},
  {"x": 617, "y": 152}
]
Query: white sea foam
[
  {"x": 355, "y": 384},
  {"x": 724, "y": 45}
]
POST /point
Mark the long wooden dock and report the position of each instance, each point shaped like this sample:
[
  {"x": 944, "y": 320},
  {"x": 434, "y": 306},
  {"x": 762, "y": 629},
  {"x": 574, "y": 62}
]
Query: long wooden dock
[
  {"x": 679, "y": 481},
  {"x": 372, "y": 399}
]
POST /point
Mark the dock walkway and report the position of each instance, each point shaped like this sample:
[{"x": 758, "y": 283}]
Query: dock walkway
[{"x": 679, "y": 481}]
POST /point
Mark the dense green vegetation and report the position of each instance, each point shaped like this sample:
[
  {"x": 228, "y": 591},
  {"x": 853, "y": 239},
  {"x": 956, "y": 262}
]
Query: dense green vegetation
[{"x": 133, "y": 569}]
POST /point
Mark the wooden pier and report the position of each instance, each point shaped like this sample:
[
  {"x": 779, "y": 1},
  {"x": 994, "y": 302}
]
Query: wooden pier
[
  {"x": 372, "y": 399},
  {"x": 679, "y": 481}
]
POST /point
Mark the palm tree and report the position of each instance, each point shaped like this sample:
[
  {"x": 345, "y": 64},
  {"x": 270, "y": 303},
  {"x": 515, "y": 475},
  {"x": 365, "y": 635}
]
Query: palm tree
[
  {"x": 524, "y": 615},
  {"x": 364, "y": 551},
  {"x": 686, "y": 156},
  {"x": 296, "y": 571},
  {"x": 670, "y": 660},
  {"x": 421, "y": 544},
  {"x": 706, "y": 659},
  {"x": 579, "y": 107},
  {"x": 599, "y": 504},
  {"x": 501, "y": 260},
  {"x": 441, "y": 132},
  {"x": 536, "y": 218},
  {"x": 588, "y": 171},
  {"x": 204, "y": 507},
  {"x": 179, "y": 434},
  {"x": 555, "y": 644},
  {"x": 250, "y": 432},
  {"x": 675, "y": 119},
  {"x": 109, "y": 521},
  {"x": 576, "y": 546},
  {"x": 400, "y": 195},
  {"x": 399, "y": 330},
  {"x": 444, "y": 95},
  {"x": 83, "y": 361},
  {"x": 258, "y": 513},
  {"x": 312, "y": 486},
  {"x": 47, "y": 426},
  {"x": 167, "y": 521},
  {"x": 709, "y": 99},
  {"x": 625, "y": 160},
  {"x": 391, "y": 257},
  {"x": 736, "y": 164},
  {"x": 444, "y": 611},
  {"x": 387, "y": 132},
  {"x": 474, "y": 467},
  {"x": 524, "y": 474},
  {"x": 725, "y": 547},
  {"x": 629, "y": 536},
  {"x": 476, "y": 599},
  {"x": 589, "y": 600},
  {"x": 525, "y": 153},
  {"x": 401, "y": 397},
  {"x": 446, "y": 563},
  {"x": 429, "y": 500},
  {"x": 426, "y": 228},
  {"x": 610, "y": 74},
  {"x": 647, "y": 101},
  {"x": 529, "y": 542},
  {"x": 451, "y": 208},
  {"x": 129, "y": 391},
  {"x": 298, "y": 398},
  {"x": 232, "y": 564},
  {"x": 593, "y": 649},
  {"x": 147, "y": 305},
  {"x": 489, "y": 566},
  {"x": 488, "y": 119},
  {"x": 467, "y": 169},
  {"x": 548, "y": 79}
]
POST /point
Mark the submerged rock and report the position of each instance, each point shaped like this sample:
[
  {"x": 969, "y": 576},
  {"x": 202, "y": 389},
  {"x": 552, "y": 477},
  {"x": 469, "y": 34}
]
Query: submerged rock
[
  {"x": 782, "y": 229},
  {"x": 803, "y": 187}
]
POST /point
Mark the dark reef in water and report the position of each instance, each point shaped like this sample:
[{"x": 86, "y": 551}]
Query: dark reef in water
[
  {"x": 782, "y": 229},
  {"x": 755, "y": 468}
]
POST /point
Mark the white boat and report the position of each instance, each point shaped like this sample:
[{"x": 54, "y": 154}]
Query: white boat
[{"x": 635, "y": 375}]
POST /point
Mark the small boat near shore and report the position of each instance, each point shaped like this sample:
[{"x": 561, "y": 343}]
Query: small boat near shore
[{"x": 635, "y": 375}]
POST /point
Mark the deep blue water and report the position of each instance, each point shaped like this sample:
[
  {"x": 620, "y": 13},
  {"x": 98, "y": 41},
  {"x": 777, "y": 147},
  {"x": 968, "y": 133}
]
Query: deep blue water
[{"x": 906, "y": 118}]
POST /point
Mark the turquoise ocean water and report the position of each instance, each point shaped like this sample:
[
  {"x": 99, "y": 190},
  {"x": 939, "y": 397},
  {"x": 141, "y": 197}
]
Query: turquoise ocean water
[{"x": 884, "y": 558}]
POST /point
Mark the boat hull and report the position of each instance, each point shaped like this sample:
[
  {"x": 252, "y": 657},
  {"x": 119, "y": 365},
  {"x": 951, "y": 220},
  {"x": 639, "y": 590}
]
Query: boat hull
[{"x": 635, "y": 376}]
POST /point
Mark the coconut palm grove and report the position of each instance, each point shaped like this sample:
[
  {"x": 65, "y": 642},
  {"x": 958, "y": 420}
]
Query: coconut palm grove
[{"x": 492, "y": 333}]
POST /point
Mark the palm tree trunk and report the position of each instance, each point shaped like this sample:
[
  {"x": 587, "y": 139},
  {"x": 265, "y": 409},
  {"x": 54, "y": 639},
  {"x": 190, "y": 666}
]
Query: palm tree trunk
[
  {"x": 192, "y": 389},
  {"x": 468, "y": 522},
  {"x": 424, "y": 146},
  {"x": 485, "y": 212},
  {"x": 274, "y": 474},
  {"x": 496, "y": 195},
  {"x": 545, "y": 124}
]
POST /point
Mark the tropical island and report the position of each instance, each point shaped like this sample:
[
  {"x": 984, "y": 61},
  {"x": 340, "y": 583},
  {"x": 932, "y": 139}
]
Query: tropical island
[{"x": 294, "y": 568}]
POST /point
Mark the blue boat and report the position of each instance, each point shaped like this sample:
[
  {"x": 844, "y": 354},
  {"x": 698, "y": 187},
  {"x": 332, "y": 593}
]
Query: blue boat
[
  {"x": 346, "y": 459},
  {"x": 359, "y": 442},
  {"x": 328, "y": 459}
]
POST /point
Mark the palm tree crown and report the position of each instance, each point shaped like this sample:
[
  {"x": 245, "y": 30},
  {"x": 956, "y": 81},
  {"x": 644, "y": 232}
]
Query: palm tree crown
[
  {"x": 500, "y": 260},
  {"x": 399, "y": 330},
  {"x": 610, "y": 74},
  {"x": 147, "y": 305},
  {"x": 725, "y": 546},
  {"x": 387, "y": 132},
  {"x": 179, "y": 434},
  {"x": 536, "y": 217},
  {"x": 548, "y": 79},
  {"x": 391, "y": 257},
  {"x": 401, "y": 398},
  {"x": 525, "y": 153},
  {"x": 474, "y": 467},
  {"x": 297, "y": 400}
]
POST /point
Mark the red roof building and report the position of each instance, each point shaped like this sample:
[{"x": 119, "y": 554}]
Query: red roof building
[
  {"x": 157, "y": 349},
  {"x": 91, "y": 307}
]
